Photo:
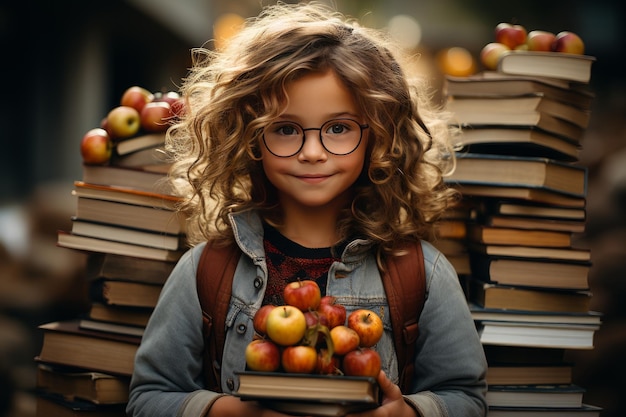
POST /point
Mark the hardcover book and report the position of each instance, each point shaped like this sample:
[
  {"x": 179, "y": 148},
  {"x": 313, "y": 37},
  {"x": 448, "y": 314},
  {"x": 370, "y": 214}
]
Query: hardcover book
[{"x": 572, "y": 67}]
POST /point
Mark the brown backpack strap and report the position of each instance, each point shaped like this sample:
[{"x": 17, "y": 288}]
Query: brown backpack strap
[
  {"x": 405, "y": 287},
  {"x": 214, "y": 279}
]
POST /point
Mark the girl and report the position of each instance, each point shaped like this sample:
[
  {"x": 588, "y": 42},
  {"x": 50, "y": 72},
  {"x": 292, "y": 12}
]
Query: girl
[{"x": 306, "y": 143}]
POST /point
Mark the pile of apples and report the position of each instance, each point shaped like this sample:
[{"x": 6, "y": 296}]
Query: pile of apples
[
  {"x": 140, "y": 111},
  {"x": 311, "y": 334},
  {"x": 513, "y": 37}
]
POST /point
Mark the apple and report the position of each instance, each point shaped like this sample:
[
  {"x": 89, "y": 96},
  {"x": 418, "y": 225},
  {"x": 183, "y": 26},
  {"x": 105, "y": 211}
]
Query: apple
[
  {"x": 262, "y": 355},
  {"x": 286, "y": 325},
  {"x": 136, "y": 97},
  {"x": 169, "y": 97},
  {"x": 259, "y": 321},
  {"x": 491, "y": 53},
  {"x": 344, "y": 339},
  {"x": 123, "y": 122},
  {"x": 155, "y": 116},
  {"x": 178, "y": 108},
  {"x": 327, "y": 364},
  {"x": 568, "y": 42},
  {"x": 304, "y": 294},
  {"x": 362, "y": 362},
  {"x": 96, "y": 147},
  {"x": 299, "y": 359},
  {"x": 510, "y": 35},
  {"x": 368, "y": 325},
  {"x": 315, "y": 318},
  {"x": 540, "y": 40},
  {"x": 335, "y": 313}
]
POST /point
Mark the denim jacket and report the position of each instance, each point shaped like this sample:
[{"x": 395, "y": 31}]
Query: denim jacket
[{"x": 168, "y": 378}]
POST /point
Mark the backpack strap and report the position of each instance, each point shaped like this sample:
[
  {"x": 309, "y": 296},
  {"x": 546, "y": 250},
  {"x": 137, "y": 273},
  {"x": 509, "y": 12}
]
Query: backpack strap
[
  {"x": 405, "y": 286},
  {"x": 214, "y": 280}
]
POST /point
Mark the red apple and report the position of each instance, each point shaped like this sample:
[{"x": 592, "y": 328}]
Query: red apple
[
  {"x": 344, "y": 339},
  {"x": 368, "y": 325},
  {"x": 169, "y": 96},
  {"x": 136, "y": 97},
  {"x": 96, "y": 147},
  {"x": 362, "y": 362},
  {"x": 491, "y": 53},
  {"x": 286, "y": 325},
  {"x": 315, "y": 318},
  {"x": 123, "y": 122},
  {"x": 299, "y": 359},
  {"x": 304, "y": 294},
  {"x": 510, "y": 35},
  {"x": 178, "y": 108},
  {"x": 540, "y": 40},
  {"x": 327, "y": 364},
  {"x": 262, "y": 355},
  {"x": 568, "y": 42},
  {"x": 335, "y": 313},
  {"x": 259, "y": 321},
  {"x": 156, "y": 116}
]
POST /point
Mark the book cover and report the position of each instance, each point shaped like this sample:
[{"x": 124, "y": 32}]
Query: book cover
[
  {"x": 546, "y": 335},
  {"x": 536, "y": 223},
  {"x": 125, "y": 195},
  {"x": 562, "y": 254},
  {"x": 549, "y": 396},
  {"x": 116, "y": 328},
  {"x": 137, "y": 143},
  {"x": 513, "y": 171},
  {"x": 527, "y": 374},
  {"x": 127, "y": 268},
  {"x": 570, "y": 67},
  {"x": 134, "y": 178},
  {"x": 514, "y": 208},
  {"x": 131, "y": 316},
  {"x": 480, "y": 313},
  {"x": 518, "y": 237},
  {"x": 125, "y": 293},
  {"x": 522, "y": 193}
]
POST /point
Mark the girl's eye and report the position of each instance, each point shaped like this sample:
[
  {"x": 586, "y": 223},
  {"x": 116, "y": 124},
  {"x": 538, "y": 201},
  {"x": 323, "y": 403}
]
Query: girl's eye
[
  {"x": 287, "y": 130},
  {"x": 337, "y": 129}
]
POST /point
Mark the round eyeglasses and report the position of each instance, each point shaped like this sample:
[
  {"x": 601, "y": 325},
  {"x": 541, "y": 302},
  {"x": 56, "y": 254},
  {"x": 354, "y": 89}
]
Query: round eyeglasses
[{"x": 338, "y": 137}]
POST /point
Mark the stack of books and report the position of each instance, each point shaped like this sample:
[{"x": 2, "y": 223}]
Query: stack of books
[
  {"x": 518, "y": 167},
  {"x": 127, "y": 225}
]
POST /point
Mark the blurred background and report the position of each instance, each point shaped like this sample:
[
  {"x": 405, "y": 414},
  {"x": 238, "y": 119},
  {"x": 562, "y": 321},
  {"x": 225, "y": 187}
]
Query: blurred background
[{"x": 66, "y": 63}]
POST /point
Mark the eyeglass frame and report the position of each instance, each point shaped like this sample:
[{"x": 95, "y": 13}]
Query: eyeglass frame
[{"x": 319, "y": 129}]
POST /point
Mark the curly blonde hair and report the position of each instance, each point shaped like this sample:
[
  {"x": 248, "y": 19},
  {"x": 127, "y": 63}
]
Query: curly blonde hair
[{"x": 232, "y": 94}]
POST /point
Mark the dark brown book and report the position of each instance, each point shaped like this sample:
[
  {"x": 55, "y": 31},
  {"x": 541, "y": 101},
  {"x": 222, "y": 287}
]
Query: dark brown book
[
  {"x": 134, "y": 178},
  {"x": 493, "y": 84},
  {"x": 320, "y": 395},
  {"x": 513, "y": 171},
  {"x": 137, "y": 143},
  {"x": 125, "y": 195},
  {"x": 523, "y": 374},
  {"x": 523, "y": 355},
  {"x": 570, "y": 67},
  {"x": 65, "y": 343},
  {"x": 73, "y": 383},
  {"x": 130, "y": 215},
  {"x": 535, "y": 223},
  {"x": 562, "y": 254},
  {"x": 131, "y": 316},
  {"x": 108, "y": 327},
  {"x": 57, "y": 406},
  {"x": 522, "y": 193},
  {"x": 129, "y": 268},
  {"x": 524, "y": 316},
  {"x": 490, "y": 295},
  {"x": 488, "y": 235},
  {"x": 149, "y": 157},
  {"x": 539, "y": 273},
  {"x": 126, "y": 293},
  {"x": 514, "y": 208}
]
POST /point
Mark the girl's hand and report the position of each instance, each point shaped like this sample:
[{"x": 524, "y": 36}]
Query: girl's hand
[
  {"x": 229, "y": 405},
  {"x": 393, "y": 404}
]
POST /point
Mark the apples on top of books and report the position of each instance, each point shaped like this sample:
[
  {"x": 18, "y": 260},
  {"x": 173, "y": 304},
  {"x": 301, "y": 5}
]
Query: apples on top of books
[
  {"x": 140, "y": 111},
  {"x": 514, "y": 37},
  {"x": 312, "y": 334}
]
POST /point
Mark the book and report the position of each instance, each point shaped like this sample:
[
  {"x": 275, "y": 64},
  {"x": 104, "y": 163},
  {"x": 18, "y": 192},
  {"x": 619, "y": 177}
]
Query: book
[
  {"x": 125, "y": 293},
  {"x": 524, "y": 355},
  {"x": 116, "y": 328},
  {"x": 516, "y": 222},
  {"x": 564, "y": 254},
  {"x": 132, "y": 316},
  {"x": 90, "y": 244},
  {"x": 509, "y": 110},
  {"x": 524, "y": 316},
  {"x": 65, "y": 343},
  {"x": 490, "y": 295},
  {"x": 130, "y": 215},
  {"x": 125, "y": 195},
  {"x": 50, "y": 405},
  {"x": 522, "y": 193},
  {"x": 137, "y": 143},
  {"x": 547, "y": 335},
  {"x": 133, "y": 178},
  {"x": 127, "y": 235},
  {"x": 523, "y": 237},
  {"x": 326, "y": 395},
  {"x": 525, "y": 374},
  {"x": 494, "y": 84},
  {"x": 552, "y": 396},
  {"x": 150, "y": 158},
  {"x": 451, "y": 229},
  {"x": 513, "y": 140},
  {"x": 572, "y": 67},
  {"x": 514, "y": 208},
  {"x": 584, "y": 411},
  {"x": 124, "y": 267},
  {"x": 538, "y": 273},
  {"x": 74, "y": 383},
  {"x": 512, "y": 171}
]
